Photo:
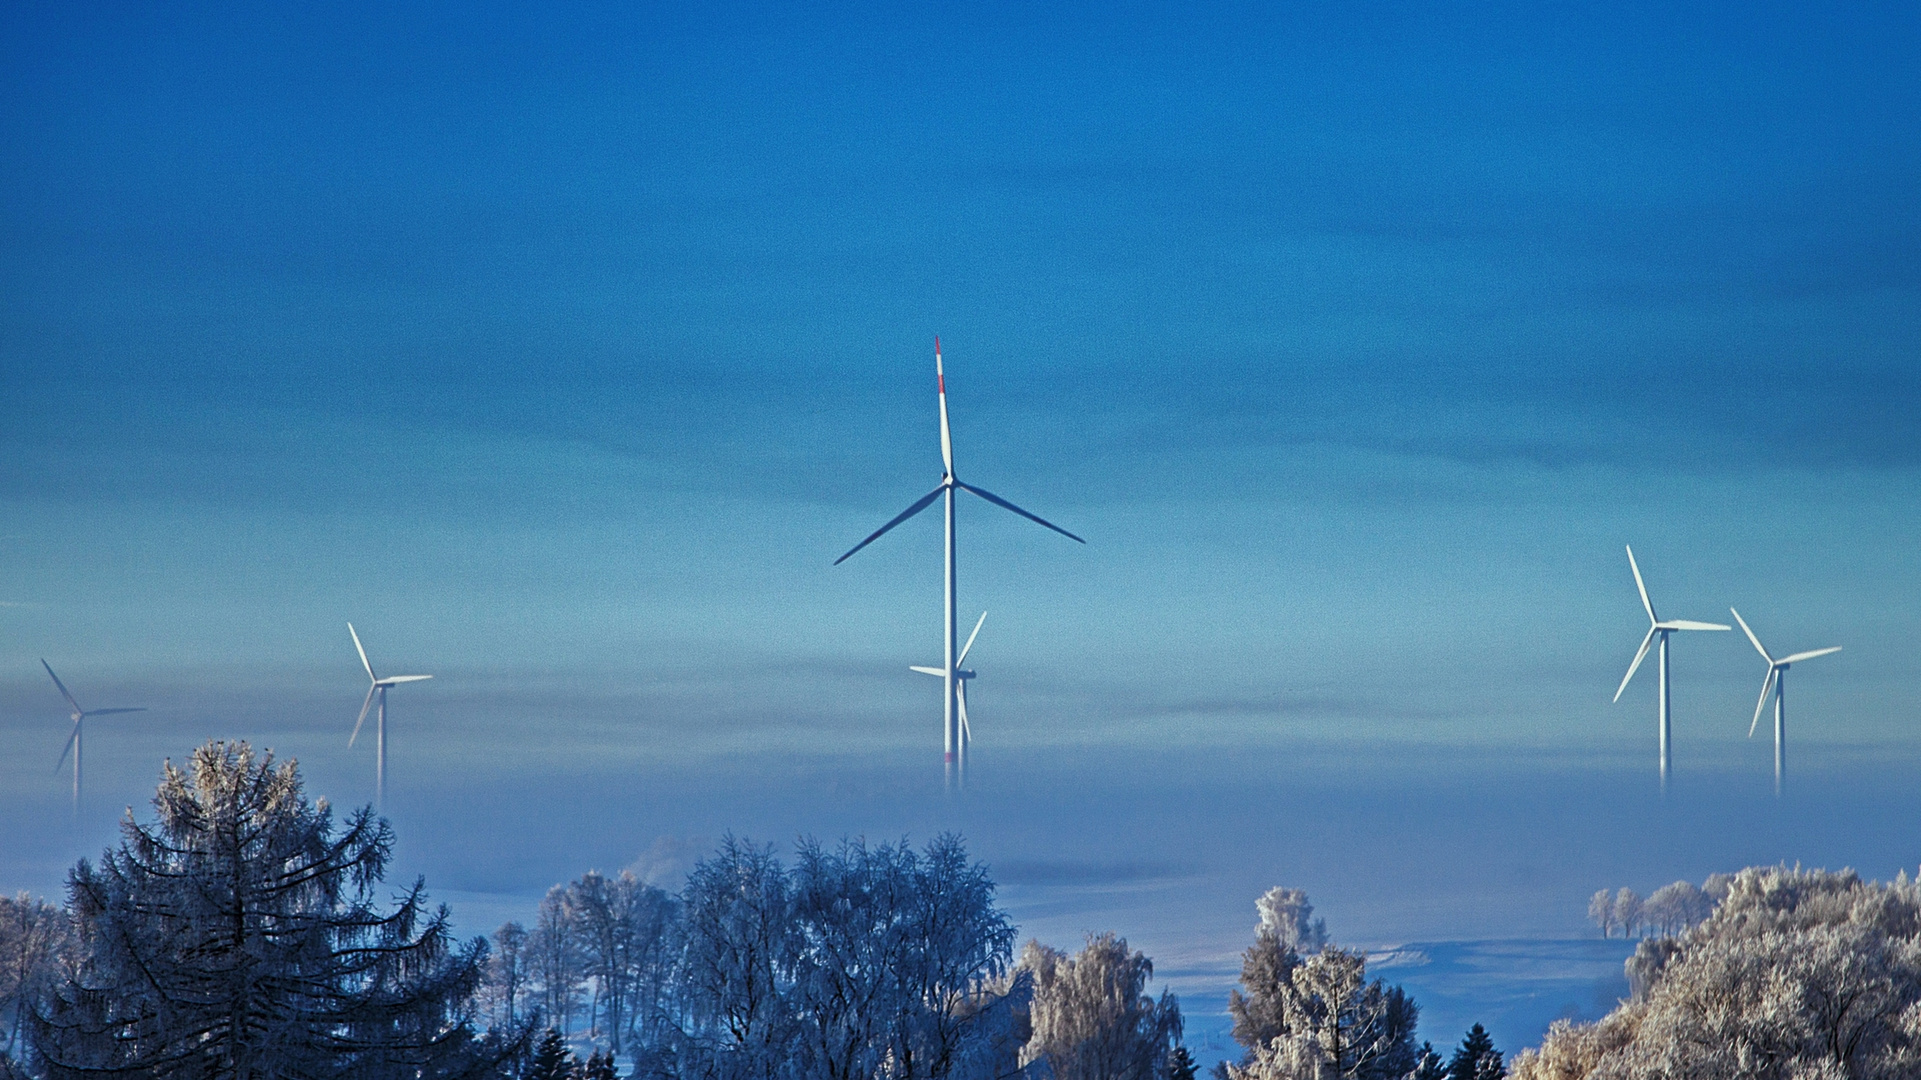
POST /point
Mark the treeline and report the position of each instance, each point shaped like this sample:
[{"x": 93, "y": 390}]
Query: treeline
[
  {"x": 1669, "y": 910},
  {"x": 243, "y": 932}
]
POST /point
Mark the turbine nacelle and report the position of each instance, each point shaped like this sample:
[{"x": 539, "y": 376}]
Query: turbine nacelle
[
  {"x": 1655, "y": 626},
  {"x": 78, "y": 715},
  {"x": 376, "y": 686},
  {"x": 1771, "y": 683}
]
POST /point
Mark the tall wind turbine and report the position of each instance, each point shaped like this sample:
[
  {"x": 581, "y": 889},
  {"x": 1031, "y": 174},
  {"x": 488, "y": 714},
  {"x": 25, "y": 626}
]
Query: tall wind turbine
[
  {"x": 73, "y": 739},
  {"x": 1656, "y": 626},
  {"x": 949, "y": 484},
  {"x": 961, "y": 678},
  {"x": 1776, "y": 681},
  {"x": 379, "y": 687}
]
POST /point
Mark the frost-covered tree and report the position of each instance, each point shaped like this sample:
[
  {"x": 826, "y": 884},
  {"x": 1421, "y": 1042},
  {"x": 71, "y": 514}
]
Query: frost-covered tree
[
  {"x": 555, "y": 960},
  {"x": 862, "y": 961},
  {"x": 1286, "y": 914},
  {"x": 1671, "y": 909},
  {"x": 1092, "y": 1019},
  {"x": 1627, "y": 911},
  {"x": 1258, "y": 1005},
  {"x": 1336, "y": 1024},
  {"x": 506, "y": 981},
  {"x": 739, "y": 950},
  {"x": 1795, "y": 974},
  {"x": 35, "y": 937},
  {"x": 237, "y": 936},
  {"x": 1600, "y": 911},
  {"x": 899, "y": 951},
  {"x": 619, "y": 928},
  {"x": 1317, "y": 1017}
]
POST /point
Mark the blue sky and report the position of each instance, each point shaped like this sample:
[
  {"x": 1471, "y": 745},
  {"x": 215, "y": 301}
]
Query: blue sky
[{"x": 563, "y": 347}]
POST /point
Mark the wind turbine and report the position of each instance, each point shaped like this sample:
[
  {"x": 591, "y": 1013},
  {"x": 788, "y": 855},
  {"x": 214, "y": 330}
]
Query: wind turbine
[
  {"x": 949, "y": 484},
  {"x": 1656, "y": 626},
  {"x": 379, "y": 687},
  {"x": 961, "y": 678},
  {"x": 1775, "y": 681},
  {"x": 73, "y": 739}
]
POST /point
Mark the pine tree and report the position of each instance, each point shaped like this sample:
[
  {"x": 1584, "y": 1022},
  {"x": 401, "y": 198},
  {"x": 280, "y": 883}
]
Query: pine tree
[
  {"x": 1429, "y": 1065},
  {"x": 236, "y": 936},
  {"x": 551, "y": 1059},
  {"x": 1180, "y": 1064},
  {"x": 1476, "y": 1058}
]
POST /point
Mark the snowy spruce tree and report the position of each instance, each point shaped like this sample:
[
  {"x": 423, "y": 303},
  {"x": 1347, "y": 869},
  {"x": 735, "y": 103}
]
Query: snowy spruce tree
[
  {"x": 238, "y": 935},
  {"x": 1476, "y": 1058}
]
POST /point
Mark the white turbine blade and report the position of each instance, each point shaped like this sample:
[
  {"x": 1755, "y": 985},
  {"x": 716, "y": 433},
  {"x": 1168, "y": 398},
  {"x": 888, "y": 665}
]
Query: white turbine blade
[
  {"x": 1645, "y": 602},
  {"x": 967, "y": 732},
  {"x": 970, "y": 641},
  {"x": 103, "y": 712},
  {"x": 1766, "y": 685},
  {"x": 1751, "y": 637},
  {"x": 1636, "y": 665},
  {"x": 363, "y": 654},
  {"x": 939, "y": 672},
  {"x": 1005, "y": 505},
  {"x": 946, "y": 439},
  {"x": 393, "y": 680},
  {"x": 1690, "y": 624},
  {"x": 1800, "y": 656},
  {"x": 925, "y": 501},
  {"x": 364, "y": 706},
  {"x": 67, "y": 749},
  {"x": 63, "y": 686}
]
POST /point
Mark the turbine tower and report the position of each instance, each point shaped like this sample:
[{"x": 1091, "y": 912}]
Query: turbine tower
[
  {"x": 1656, "y": 626},
  {"x": 961, "y": 677},
  {"x": 949, "y": 484},
  {"x": 1775, "y": 681},
  {"x": 73, "y": 739},
  {"x": 379, "y": 687}
]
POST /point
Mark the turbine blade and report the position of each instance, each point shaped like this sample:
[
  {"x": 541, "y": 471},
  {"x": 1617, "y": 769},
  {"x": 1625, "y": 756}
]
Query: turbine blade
[
  {"x": 970, "y": 641},
  {"x": 925, "y": 501},
  {"x": 1690, "y": 624},
  {"x": 63, "y": 686},
  {"x": 941, "y": 672},
  {"x": 1645, "y": 602},
  {"x": 1636, "y": 665},
  {"x": 393, "y": 680},
  {"x": 1800, "y": 656},
  {"x": 1766, "y": 685},
  {"x": 1751, "y": 637},
  {"x": 363, "y": 654},
  {"x": 67, "y": 749},
  {"x": 946, "y": 439},
  {"x": 103, "y": 712},
  {"x": 967, "y": 732},
  {"x": 364, "y": 706},
  {"x": 1005, "y": 505}
]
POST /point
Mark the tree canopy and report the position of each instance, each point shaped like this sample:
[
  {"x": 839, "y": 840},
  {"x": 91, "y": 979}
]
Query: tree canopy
[{"x": 238, "y": 935}]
